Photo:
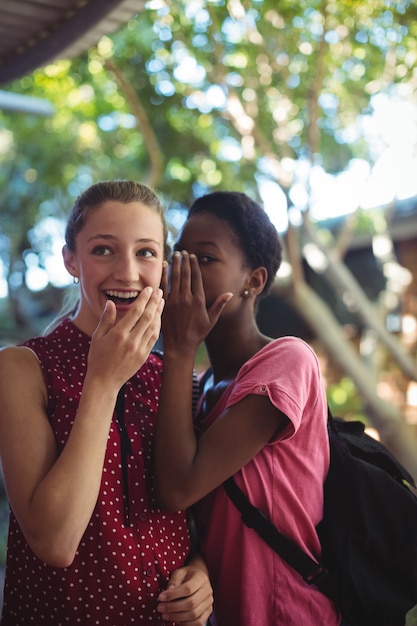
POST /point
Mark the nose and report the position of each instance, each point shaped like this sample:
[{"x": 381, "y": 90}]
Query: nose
[{"x": 127, "y": 269}]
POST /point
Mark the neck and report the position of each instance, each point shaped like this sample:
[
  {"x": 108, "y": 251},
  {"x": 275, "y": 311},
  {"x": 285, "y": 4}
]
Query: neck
[{"x": 228, "y": 348}]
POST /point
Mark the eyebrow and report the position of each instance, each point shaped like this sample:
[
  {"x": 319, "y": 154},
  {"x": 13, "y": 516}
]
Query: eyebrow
[
  {"x": 112, "y": 237},
  {"x": 179, "y": 246}
]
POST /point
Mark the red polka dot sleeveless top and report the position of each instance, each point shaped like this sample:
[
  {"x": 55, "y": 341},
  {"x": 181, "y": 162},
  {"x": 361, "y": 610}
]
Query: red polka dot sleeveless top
[{"x": 119, "y": 569}]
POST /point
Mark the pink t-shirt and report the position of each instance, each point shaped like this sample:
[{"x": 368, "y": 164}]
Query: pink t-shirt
[{"x": 253, "y": 586}]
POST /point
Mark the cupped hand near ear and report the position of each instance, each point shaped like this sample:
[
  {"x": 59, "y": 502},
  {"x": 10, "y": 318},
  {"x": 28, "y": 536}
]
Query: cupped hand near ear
[{"x": 186, "y": 320}]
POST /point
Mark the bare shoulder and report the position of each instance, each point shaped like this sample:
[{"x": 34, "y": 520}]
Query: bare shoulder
[
  {"x": 23, "y": 416},
  {"x": 11, "y": 356},
  {"x": 18, "y": 358},
  {"x": 20, "y": 373}
]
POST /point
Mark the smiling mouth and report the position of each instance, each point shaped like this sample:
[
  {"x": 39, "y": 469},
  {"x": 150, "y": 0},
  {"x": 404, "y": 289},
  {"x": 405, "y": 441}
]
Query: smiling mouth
[{"x": 122, "y": 297}]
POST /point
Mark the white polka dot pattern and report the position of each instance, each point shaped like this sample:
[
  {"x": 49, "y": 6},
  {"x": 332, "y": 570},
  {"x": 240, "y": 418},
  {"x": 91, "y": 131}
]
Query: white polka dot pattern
[{"x": 118, "y": 571}]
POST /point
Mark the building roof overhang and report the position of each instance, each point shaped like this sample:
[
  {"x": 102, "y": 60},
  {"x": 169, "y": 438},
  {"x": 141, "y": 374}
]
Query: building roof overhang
[{"x": 36, "y": 32}]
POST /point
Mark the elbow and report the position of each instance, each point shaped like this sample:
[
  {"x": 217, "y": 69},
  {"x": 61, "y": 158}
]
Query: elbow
[
  {"x": 60, "y": 561},
  {"x": 56, "y": 554},
  {"x": 172, "y": 500},
  {"x": 168, "y": 503}
]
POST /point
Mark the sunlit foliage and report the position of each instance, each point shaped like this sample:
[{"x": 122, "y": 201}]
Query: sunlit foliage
[{"x": 220, "y": 95}]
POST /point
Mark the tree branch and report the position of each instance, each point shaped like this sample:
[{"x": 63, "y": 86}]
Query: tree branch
[{"x": 156, "y": 159}]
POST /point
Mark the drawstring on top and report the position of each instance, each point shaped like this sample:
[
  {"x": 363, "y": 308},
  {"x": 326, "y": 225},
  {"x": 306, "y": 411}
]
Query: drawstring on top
[{"x": 125, "y": 450}]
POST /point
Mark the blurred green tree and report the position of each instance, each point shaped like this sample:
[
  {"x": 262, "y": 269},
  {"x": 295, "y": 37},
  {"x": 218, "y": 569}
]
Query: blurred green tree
[{"x": 193, "y": 96}]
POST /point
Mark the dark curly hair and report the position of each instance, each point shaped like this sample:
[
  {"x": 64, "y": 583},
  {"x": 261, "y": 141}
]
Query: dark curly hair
[{"x": 256, "y": 235}]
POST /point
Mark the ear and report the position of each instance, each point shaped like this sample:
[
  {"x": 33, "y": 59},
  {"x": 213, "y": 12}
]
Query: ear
[
  {"x": 70, "y": 261},
  {"x": 258, "y": 280}
]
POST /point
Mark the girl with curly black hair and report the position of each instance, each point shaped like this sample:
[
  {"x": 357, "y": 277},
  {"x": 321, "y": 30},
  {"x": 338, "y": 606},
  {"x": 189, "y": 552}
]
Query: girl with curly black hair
[{"x": 262, "y": 416}]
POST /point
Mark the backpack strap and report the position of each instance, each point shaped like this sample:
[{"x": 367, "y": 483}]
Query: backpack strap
[
  {"x": 312, "y": 572},
  {"x": 125, "y": 450}
]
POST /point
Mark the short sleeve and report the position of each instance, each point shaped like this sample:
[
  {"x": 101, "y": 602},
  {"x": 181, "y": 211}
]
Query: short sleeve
[{"x": 288, "y": 372}]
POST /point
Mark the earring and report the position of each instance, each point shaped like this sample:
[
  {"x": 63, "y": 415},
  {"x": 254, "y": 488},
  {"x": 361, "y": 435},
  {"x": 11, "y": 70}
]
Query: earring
[
  {"x": 245, "y": 293},
  {"x": 75, "y": 280}
]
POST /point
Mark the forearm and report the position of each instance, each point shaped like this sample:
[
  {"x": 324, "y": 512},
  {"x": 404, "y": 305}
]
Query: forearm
[
  {"x": 187, "y": 322},
  {"x": 175, "y": 441},
  {"x": 63, "y": 501}
]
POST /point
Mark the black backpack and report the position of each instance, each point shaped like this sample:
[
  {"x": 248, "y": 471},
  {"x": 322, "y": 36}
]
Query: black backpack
[{"x": 368, "y": 533}]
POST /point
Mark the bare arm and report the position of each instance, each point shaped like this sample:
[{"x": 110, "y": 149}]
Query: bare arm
[
  {"x": 186, "y": 468},
  {"x": 53, "y": 496}
]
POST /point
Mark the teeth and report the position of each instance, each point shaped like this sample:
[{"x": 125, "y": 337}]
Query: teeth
[{"x": 122, "y": 294}]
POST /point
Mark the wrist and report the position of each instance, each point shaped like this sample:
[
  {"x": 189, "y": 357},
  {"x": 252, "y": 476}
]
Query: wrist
[
  {"x": 177, "y": 353},
  {"x": 104, "y": 391}
]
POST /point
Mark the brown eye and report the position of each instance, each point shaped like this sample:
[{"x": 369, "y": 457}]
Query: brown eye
[
  {"x": 101, "y": 251},
  {"x": 147, "y": 253}
]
